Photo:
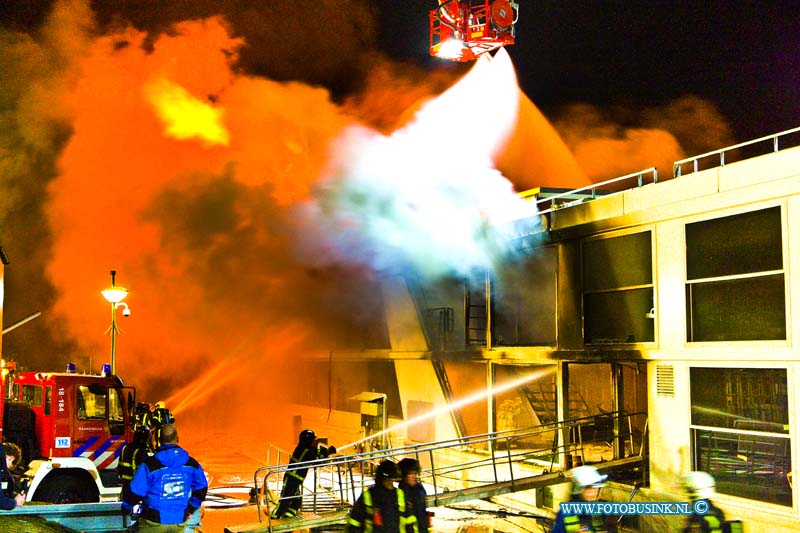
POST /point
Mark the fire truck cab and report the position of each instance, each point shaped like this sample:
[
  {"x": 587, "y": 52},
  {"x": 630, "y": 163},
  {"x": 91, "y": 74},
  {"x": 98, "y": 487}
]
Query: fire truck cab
[{"x": 71, "y": 429}]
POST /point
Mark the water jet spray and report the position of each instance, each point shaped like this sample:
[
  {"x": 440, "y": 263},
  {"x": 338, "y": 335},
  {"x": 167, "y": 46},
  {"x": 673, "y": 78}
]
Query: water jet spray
[{"x": 456, "y": 405}]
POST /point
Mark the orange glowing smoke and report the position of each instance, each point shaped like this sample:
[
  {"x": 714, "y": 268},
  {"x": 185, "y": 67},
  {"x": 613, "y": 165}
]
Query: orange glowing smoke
[
  {"x": 176, "y": 175},
  {"x": 186, "y": 176},
  {"x": 607, "y": 143}
]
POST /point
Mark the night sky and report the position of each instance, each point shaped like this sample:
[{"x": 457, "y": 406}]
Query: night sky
[{"x": 743, "y": 56}]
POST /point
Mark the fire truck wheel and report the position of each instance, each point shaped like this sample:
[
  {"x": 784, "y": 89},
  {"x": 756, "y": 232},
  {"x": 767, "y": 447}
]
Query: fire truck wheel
[{"x": 67, "y": 489}]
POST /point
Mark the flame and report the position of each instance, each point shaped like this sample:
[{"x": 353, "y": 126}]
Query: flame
[{"x": 184, "y": 116}]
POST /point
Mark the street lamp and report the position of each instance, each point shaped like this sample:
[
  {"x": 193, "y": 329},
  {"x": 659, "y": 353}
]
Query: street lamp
[{"x": 114, "y": 295}]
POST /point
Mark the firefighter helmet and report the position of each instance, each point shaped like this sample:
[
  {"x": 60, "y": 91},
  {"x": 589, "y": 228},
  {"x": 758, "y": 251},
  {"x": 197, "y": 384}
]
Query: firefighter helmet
[
  {"x": 699, "y": 485},
  {"x": 408, "y": 465},
  {"x": 586, "y": 476},
  {"x": 387, "y": 470},
  {"x": 141, "y": 433},
  {"x": 307, "y": 437}
]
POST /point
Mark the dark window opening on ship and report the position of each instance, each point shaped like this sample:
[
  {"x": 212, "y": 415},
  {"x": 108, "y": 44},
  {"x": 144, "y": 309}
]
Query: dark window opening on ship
[
  {"x": 618, "y": 289},
  {"x": 740, "y": 431},
  {"x": 524, "y": 301},
  {"x": 360, "y": 321},
  {"x": 735, "y": 288}
]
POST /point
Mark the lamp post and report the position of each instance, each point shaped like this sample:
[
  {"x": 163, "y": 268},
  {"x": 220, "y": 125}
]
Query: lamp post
[{"x": 114, "y": 295}]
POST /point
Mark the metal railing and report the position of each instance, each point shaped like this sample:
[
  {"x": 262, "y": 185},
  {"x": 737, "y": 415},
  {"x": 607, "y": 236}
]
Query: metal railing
[
  {"x": 512, "y": 458},
  {"x": 591, "y": 192},
  {"x": 677, "y": 166}
]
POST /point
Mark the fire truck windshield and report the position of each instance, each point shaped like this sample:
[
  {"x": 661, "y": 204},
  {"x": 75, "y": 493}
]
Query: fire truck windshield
[
  {"x": 32, "y": 395},
  {"x": 92, "y": 402}
]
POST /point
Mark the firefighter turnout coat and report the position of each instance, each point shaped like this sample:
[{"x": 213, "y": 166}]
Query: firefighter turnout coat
[
  {"x": 583, "y": 523},
  {"x": 380, "y": 510}
]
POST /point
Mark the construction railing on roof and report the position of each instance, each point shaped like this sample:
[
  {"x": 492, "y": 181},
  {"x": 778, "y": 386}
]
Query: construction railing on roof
[
  {"x": 560, "y": 199},
  {"x": 774, "y": 140},
  {"x": 555, "y": 199},
  {"x": 462, "y": 469}
]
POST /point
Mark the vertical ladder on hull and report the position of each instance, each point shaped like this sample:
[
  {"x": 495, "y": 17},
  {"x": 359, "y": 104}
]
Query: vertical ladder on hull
[{"x": 476, "y": 312}]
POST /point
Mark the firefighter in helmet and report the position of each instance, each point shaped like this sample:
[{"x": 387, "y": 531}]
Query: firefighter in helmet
[
  {"x": 308, "y": 449},
  {"x": 133, "y": 454},
  {"x": 414, "y": 491},
  {"x": 159, "y": 417},
  {"x": 701, "y": 487},
  {"x": 382, "y": 508},
  {"x": 586, "y": 484}
]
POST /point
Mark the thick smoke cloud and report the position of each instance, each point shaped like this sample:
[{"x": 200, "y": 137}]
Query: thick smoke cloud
[
  {"x": 429, "y": 193},
  {"x": 187, "y": 176},
  {"x": 36, "y": 69},
  {"x": 608, "y": 143},
  {"x": 318, "y": 42},
  {"x": 198, "y": 149}
]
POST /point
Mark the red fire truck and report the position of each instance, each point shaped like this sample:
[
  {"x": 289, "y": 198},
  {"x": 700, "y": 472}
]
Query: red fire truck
[{"x": 71, "y": 428}]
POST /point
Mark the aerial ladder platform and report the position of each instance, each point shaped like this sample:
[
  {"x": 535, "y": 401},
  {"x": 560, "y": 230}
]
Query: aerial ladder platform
[{"x": 456, "y": 470}]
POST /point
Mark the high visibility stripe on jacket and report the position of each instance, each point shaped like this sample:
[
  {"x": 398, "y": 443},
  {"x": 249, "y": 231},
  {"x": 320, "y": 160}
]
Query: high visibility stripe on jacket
[
  {"x": 132, "y": 456},
  {"x": 572, "y": 523},
  {"x": 714, "y": 523},
  {"x": 369, "y": 521},
  {"x": 302, "y": 473}
]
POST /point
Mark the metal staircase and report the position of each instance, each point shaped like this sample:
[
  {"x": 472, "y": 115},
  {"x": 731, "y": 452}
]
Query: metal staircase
[
  {"x": 455, "y": 470},
  {"x": 541, "y": 395}
]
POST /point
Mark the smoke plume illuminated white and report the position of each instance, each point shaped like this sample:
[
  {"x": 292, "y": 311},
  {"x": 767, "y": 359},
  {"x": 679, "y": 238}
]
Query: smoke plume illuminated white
[{"x": 429, "y": 193}]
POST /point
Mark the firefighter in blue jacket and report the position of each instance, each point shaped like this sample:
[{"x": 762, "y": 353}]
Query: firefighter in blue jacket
[
  {"x": 383, "y": 508},
  {"x": 308, "y": 449},
  {"x": 171, "y": 485}
]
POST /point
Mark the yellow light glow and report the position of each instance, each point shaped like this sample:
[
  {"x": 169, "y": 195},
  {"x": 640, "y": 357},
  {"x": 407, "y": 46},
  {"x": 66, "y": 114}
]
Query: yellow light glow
[
  {"x": 115, "y": 294},
  {"x": 184, "y": 116}
]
